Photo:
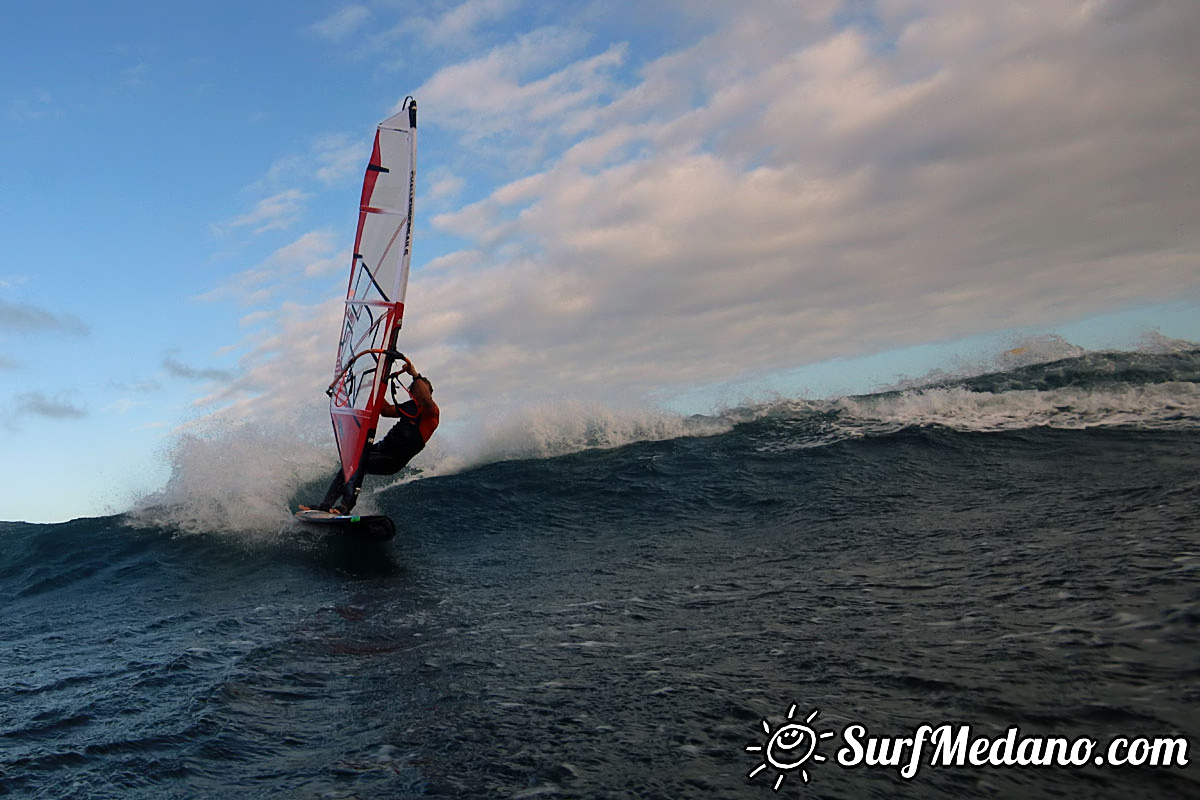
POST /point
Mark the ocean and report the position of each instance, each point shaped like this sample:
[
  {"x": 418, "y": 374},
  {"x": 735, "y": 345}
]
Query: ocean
[{"x": 1010, "y": 559}]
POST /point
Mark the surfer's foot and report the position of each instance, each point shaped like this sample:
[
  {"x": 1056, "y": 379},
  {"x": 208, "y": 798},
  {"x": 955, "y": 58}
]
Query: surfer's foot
[{"x": 313, "y": 508}]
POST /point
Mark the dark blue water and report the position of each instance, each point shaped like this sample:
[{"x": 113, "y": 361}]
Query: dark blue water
[{"x": 1017, "y": 549}]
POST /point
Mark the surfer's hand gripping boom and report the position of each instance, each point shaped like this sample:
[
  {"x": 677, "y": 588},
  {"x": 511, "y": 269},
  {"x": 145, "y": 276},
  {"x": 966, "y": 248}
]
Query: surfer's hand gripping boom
[
  {"x": 391, "y": 353},
  {"x": 408, "y": 365}
]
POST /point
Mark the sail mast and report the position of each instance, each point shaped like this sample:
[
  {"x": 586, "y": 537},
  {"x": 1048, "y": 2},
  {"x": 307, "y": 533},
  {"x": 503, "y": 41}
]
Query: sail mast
[{"x": 374, "y": 309}]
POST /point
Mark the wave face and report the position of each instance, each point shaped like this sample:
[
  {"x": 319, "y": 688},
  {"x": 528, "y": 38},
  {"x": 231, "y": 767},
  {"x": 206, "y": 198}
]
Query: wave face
[{"x": 612, "y": 621}]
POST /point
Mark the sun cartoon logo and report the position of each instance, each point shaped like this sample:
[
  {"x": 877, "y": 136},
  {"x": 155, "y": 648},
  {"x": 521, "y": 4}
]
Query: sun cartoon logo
[{"x": 789, "y": 747}]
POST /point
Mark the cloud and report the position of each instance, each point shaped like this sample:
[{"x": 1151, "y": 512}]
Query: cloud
[
  {"x": 311, "y": 255},
  {"x": 276, "y": 212},
  {"x": 124, "y": 405},
  {"x": 331, "y": 159},
  {"x": 343, "y": 23},
  {"x": 417, "y": 38},
  {"x": 39, "y": 405},
  {"x": 789, "y": 188},
  {"x": 178, "y": 369},
  {"x": 31, "y": 109},
  {"x": 25, "y": 318},
  {"x": 140, "y": 387},
  {"x": 833, "y": 197},
  {"x": 462, "y": 22},
  {"x": 513, "y": 100},
  {"x": 444, "y": 185},
  {"x": 339, "y": 157},
  {"x": 287, "y": 364}
]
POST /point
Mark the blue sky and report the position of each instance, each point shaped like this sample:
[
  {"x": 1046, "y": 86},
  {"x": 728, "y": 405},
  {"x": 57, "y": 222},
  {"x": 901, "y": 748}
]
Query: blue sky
[{"x": 674, "y": 204}]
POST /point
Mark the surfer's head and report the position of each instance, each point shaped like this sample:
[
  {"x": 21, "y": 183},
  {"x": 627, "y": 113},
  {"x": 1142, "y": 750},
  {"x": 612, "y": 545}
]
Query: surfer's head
[{"x": 421, "y": 388}]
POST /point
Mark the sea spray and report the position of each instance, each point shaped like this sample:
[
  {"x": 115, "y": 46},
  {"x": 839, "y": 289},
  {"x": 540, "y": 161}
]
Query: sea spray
[{"x": 233, "y": 478}]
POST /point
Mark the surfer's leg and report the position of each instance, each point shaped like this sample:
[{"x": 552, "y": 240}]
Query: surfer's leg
[
  {"x": 393, "y": 453},
  {"x": 337, "y": 488},
  {"x": 349, "y": 497},
  {"x": 349, "y": 491},
  {"x": 381, "y": 464}
]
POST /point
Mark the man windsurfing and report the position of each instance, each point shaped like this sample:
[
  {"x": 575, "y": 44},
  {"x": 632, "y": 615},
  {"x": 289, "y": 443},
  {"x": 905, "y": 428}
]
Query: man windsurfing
[{"x": 417, "y": 419}]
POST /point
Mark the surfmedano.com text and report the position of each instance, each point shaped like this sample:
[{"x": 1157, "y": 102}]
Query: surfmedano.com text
[{"x": 954, "y": 746}]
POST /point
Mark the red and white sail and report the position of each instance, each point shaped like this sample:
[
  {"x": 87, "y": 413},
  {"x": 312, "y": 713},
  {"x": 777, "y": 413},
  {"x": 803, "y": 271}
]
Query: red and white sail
[{"x": 378, "y": 280}]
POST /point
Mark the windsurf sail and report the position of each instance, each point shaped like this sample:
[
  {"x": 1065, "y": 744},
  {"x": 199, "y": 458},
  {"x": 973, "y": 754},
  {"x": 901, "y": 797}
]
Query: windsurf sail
[{"x": 375, "y": 296}]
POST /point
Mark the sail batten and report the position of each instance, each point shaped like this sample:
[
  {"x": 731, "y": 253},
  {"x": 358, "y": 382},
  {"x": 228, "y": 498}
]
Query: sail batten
[{"x": 374, "y": 309}]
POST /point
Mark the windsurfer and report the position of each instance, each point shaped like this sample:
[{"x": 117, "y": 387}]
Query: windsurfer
[{"x": 417, "y": 420}]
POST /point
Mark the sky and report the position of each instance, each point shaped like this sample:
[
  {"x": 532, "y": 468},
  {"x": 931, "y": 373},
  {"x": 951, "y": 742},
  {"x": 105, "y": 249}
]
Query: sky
[{"x": 675, "y": 205}]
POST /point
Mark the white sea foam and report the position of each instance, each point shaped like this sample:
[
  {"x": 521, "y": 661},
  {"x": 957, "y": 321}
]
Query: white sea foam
[
  {"x": 1152, "y": 406},
  {"x": 1160, "y": 406}
]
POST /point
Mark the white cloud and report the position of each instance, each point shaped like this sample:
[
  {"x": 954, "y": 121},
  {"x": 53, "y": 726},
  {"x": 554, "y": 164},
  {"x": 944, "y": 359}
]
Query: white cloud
[
  {"x": 124, "y": 405},
  {"x": 785, "y": 191},
  {"x": 311, "y": 255},
  {"x": 286, "y": 366},
  {"x": 992, "y": 190},
  {"x": 338, "y": 158},
  {"x": 520, "y": 92},
  {"x": 277, "y": 212},
  {"x": 343, "y": 23},
  {"x": 444, "y": 185},
  {"x": 463, "y": 21}
]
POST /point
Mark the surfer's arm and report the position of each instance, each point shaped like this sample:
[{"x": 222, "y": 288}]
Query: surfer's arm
[{"x": 388, "y": 410}]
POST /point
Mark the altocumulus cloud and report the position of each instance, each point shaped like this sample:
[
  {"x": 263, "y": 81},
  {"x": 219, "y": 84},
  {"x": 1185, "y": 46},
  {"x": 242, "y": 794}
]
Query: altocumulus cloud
[
  {"x": 791, "y": 188},
  {"x": 794, "y": 184}
]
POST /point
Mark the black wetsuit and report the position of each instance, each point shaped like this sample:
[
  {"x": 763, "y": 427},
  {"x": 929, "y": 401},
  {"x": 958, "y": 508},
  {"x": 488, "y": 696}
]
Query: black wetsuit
[{"x": 386, "y": 457}]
